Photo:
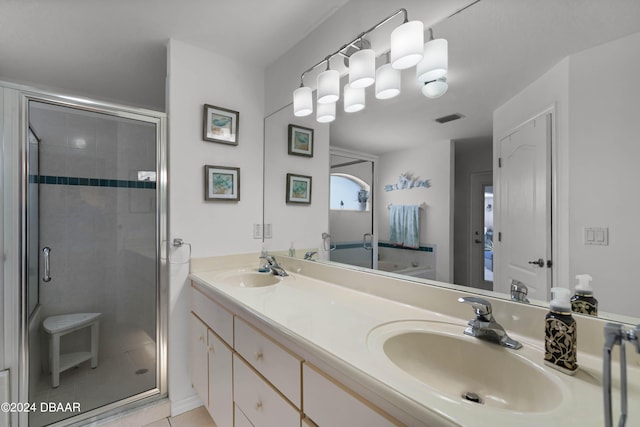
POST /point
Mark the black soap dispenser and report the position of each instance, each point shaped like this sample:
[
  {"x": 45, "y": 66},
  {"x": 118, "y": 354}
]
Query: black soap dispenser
[
  {"x": 583, "y": 301},
  {"x": 560, "y": 346}
]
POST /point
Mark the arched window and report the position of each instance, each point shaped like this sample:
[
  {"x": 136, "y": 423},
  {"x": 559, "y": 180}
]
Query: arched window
[{"x": 348, "y": 192}]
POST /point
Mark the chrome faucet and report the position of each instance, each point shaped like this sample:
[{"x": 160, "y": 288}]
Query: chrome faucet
[
  {"x": 519, "y": 291},
  {"x": 616, "y": 334},
  {"x": 484, "y": 326},
  {"x": 274, "y": 266},
  {"x": 309, "y": 255}
]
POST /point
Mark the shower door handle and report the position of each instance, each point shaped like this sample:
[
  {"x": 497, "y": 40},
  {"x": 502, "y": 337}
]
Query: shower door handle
[
  {"x": 367, "y": 245},
  {"x": 46, "y": 262}
]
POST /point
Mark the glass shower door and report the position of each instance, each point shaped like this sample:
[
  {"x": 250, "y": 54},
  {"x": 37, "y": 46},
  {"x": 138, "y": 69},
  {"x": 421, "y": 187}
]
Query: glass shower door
[{"x": 93, "y": 192}]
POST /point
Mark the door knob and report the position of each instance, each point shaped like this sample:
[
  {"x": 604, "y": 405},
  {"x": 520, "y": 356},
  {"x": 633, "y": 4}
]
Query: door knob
[{"x": 539, "y": 262}]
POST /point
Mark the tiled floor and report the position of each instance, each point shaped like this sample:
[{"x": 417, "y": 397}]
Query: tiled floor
[
  {"x": 198, "y": 417},
  {"x": 118, "y": 375}
]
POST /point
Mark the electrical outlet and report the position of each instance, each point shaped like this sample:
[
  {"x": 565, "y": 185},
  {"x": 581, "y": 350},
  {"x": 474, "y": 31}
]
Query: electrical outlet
[
  {"x": 257, "y": 231},
  {"x": 268, "y": 231}
]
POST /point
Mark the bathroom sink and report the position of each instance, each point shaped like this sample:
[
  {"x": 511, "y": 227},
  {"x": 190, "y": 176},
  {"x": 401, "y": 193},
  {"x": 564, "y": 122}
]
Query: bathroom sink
[
  {"x": 461, "y": 367},
  {"x": 249, "y": 279}
]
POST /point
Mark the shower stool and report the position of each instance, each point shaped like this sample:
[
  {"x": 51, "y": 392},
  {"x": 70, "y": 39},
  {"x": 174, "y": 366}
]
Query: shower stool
[{"x": 64, "y": 324}]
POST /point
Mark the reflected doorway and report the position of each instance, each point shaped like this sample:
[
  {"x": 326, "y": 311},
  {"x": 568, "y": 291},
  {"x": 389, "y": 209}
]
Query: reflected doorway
[{"x": 351, "y": 217}]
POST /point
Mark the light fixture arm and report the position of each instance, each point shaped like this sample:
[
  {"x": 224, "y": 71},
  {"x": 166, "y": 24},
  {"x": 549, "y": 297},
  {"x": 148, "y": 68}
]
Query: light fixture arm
[{"x": 352, "y": 42}]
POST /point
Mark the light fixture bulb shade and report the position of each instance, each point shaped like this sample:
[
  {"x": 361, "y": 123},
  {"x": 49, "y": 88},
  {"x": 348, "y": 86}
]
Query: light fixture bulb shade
[
  {"x": 354, "y": 99},
  {"x": 388, "y": 82},
  {"x": 407, "y": 45},
  {"x": 435, "y": 62},
  {"x": 328, "y": 87},
  {"x": 326, "y": 112},
  {"x": 302, "y": 101},
  {"x": 435, "y": 89},
  {"x": 362, "y": 68}
]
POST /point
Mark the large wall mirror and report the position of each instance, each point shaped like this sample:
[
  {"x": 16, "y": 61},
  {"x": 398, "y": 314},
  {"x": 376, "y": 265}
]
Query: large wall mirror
[{"x": 568, "y": 69}]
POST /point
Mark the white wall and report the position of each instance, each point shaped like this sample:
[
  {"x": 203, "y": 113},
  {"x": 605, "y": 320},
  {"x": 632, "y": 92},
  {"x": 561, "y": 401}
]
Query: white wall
[
  {"x": 196, "y": 77},
  {"x": 596, "y": 153},
  {"x": 603, "y": 170},
  {"x": 435, "y": 163},
  {"x": 298, "y": 223}
]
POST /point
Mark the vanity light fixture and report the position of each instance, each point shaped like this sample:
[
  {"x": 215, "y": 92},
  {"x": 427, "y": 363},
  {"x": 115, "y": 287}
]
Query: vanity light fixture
[
  {"x": 407, "y": 49},
  {"x": 435, "y": 88},
  {"x": 388, "y": 81},
  {"x": 326, "y": 113},
  {"x": 435, "y": 60},
  {"x": 328, "y": 85},
  {"x": 354, "y": 99}
]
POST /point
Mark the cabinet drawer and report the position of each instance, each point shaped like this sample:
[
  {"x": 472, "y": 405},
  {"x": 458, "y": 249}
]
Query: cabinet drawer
[
  {"x": 216, "y": 317},
  {"x": 279, "y": 366},
  {"x": 241, "y": 418},
  {"x": 258, "y": 401},
  {"x": 330, "y": 405}
]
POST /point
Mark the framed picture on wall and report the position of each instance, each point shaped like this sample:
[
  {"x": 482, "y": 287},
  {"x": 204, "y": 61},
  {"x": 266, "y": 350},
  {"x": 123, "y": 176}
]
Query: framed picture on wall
[
  {"x": 300, "y": 141},
  {"x": 221, "y": 183},
  {"x": 220, "y": 125},
  {"x": 298, "y": 189}
]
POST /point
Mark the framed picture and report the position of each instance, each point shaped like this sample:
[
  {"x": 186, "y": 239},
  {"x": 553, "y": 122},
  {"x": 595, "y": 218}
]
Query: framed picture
[
  {"x": 221, "y": 183},
  {"x": 300, "y": 141},
  {"x": 298, "y": 189},
  {"x": 220, "y": 125}
]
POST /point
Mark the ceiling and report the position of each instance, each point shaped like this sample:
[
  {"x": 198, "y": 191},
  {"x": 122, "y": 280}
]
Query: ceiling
[
  {"x": 496, "y": 49},
  {"x": 116, "y": 49}
]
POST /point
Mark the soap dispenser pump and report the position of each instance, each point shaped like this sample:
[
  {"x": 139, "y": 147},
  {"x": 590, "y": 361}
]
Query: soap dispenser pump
[
  {"x": 560, "y": 346},
  {"x": 583, "y": 301}
]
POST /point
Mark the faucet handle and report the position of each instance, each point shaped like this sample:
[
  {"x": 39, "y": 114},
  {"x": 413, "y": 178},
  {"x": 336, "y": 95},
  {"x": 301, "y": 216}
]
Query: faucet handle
[{"x": 481, "y": 306}]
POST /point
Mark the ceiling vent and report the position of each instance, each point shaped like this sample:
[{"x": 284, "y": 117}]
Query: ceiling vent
[{"x": 449, "y": 118}]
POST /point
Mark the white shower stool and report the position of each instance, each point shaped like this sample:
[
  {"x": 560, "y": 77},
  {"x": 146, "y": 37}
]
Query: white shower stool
[{"x": 64, "y": 324}]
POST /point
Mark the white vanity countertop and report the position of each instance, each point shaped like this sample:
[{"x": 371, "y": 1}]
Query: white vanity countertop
[{"x": 324, "y": 317}]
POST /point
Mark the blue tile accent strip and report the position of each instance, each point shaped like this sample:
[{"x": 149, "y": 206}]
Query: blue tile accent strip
[
  {"x": 348, "y": 245},
  {"x": 421, "y": 248},
  {"x": 90, "y": 182}
]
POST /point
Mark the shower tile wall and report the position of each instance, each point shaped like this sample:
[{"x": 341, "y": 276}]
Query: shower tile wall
[{"x": 101, "y": 232}]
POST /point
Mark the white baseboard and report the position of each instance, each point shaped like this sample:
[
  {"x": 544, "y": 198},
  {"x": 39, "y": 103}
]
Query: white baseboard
[{"x": 180, "y": 406}]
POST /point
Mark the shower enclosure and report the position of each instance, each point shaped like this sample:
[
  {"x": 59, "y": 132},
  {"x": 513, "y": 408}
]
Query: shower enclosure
[{"x": 94, "y": 218}]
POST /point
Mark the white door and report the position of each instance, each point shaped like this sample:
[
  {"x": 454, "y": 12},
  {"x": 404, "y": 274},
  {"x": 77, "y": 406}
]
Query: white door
[{"x": 524, "y": 199}]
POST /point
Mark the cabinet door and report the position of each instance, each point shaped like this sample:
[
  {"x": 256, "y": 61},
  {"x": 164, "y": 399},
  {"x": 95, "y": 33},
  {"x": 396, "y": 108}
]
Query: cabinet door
[
  {"x": 198, "y": 358},
  {"x": 329, "y": 404},
  {"x": 261, "y": 404},
  {"x": 220, "y": 381}
]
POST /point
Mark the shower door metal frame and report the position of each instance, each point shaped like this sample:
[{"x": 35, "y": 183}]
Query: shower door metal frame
[{"x": 26, "y": 95}]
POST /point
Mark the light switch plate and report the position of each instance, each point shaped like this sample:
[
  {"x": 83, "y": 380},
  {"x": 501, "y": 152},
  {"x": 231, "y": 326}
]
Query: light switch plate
[
  {"x": 257, "y": 231},
  {"x": 596, "y": 236},
  {"x": 268, "y": 231}
]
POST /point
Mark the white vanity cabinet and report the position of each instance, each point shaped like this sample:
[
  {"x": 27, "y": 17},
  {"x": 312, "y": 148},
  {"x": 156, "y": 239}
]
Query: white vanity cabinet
[
  {"x": 212, "y": 358},
  {"x": 252, "y": 379}
]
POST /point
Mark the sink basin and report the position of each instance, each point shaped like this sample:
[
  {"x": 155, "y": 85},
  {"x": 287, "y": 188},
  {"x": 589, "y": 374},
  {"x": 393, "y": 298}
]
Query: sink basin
[
  {"x": 249, "y": 279},
  {"x": 460, "y": 367}
]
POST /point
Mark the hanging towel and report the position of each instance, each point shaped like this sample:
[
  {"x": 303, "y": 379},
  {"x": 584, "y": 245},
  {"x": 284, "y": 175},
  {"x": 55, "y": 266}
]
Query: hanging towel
[{"x": 404, "y": 226}]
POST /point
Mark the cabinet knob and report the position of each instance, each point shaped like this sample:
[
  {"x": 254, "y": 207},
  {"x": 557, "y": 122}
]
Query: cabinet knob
[
  {"x": 258, "y": 406},
  {"x": 201, "y": 338},
  {"x": 258, "y": 355},
  {"x": 210, "y": 349}
]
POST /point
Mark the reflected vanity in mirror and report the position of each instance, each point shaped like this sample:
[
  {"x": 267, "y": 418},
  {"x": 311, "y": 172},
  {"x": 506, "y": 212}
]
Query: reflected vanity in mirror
[{"x": 514, "y": 69}]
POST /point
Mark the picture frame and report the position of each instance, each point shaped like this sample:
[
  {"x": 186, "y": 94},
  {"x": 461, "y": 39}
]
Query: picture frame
[
  {"x": 300, "y": 141},
  {"x": 298, "y": 189},
  {"x": 221, "y": 183},
  {"x": 220, "y": 125}
]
